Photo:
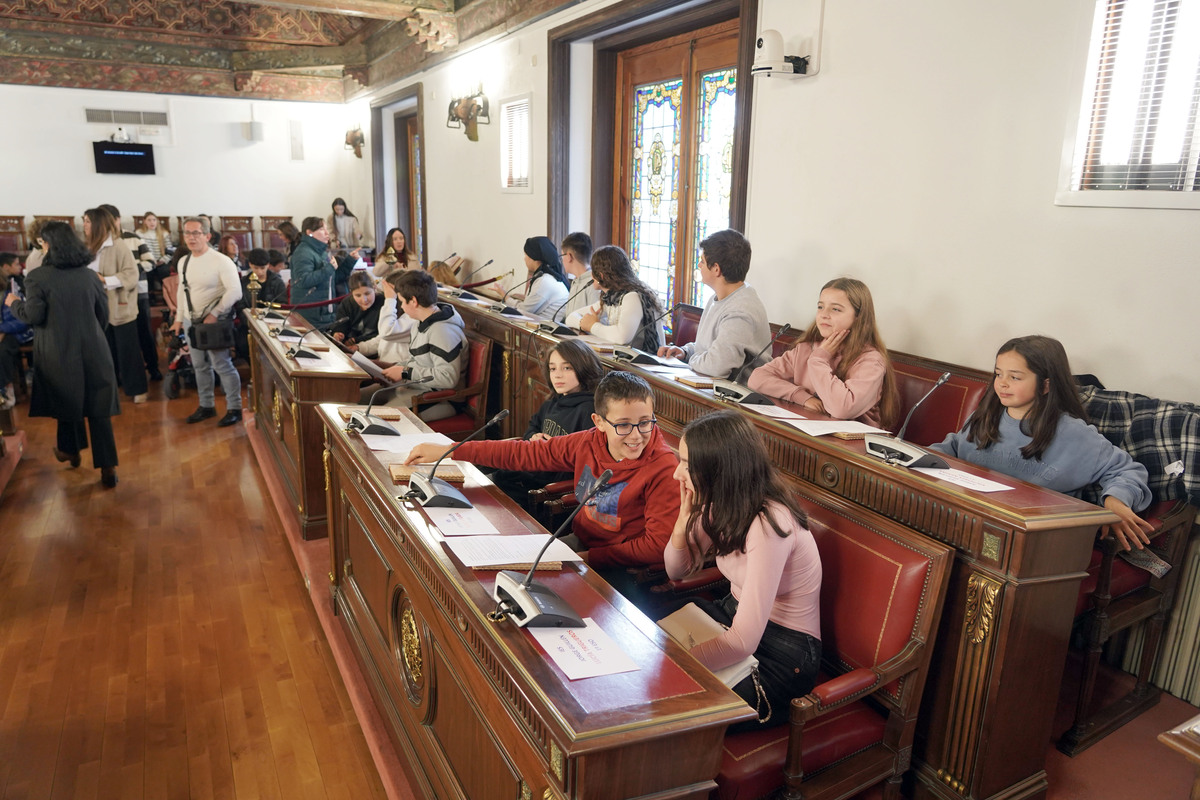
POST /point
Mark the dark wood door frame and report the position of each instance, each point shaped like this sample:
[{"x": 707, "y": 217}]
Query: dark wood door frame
[
  {"x": 414, "y": 90},
  {"x": 611, "y": 30}
]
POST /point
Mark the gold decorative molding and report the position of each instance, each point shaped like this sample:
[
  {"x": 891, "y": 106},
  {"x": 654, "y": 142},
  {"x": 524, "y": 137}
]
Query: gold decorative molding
[
  {"x": 558, "y": 763},
  {"x": 277, "y": 413},
  {"x": 325, "y": 463},
  {"x": 410, "y": 645},
  {"x": 981, "y": 607}
]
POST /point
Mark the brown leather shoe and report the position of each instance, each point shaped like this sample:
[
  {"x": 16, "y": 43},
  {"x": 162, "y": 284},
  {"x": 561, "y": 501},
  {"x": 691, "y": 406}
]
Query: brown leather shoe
[
  {"x": 108, "y": 477},
  {"x": 65, "y": 457}
]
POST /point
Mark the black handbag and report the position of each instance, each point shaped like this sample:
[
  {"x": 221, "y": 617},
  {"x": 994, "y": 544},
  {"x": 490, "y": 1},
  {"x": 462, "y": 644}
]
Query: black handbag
[{"x": 206, "y": 335}]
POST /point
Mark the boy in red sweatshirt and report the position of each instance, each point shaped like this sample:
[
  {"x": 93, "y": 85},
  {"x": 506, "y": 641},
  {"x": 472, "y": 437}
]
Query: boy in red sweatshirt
[{"x": 629, "y": 522}]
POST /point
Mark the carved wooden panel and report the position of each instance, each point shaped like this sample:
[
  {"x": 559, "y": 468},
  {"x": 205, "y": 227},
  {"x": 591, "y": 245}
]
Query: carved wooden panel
[
  {"x": 241, "y": 229},
  {"x": 12, "y": 235},
  {"x": 271, "y": 237}
]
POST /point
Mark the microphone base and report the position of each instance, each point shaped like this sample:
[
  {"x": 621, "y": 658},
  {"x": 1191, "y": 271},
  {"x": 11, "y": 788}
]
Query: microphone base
[
  {"x": 635, "y": 356},
  {"x": 274, "y": 316},
  {"x": 286, "y": 331},
  {"x": 555, "y": 329},
  {"x": 301, "y": 353},
  {"x": 436, "y": 493},
  {"x": 736, "y": 393},
  {"x": 533, "y": 606},
  {"x": 370, "y": 425},
  {"x": 509, "y": 311},
  {"x": 900, "y": 453}
]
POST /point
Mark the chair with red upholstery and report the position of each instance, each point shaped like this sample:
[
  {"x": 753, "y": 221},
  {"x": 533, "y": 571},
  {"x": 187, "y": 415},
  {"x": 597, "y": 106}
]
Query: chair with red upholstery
[
  {"x": 684, "y": 324},
  {"x": 1116, "y": 595},
  {"x": 947, "y": 409},
  {"x": 473, "y": 396},
  {"x": 241, "y": 229},
  {"x": 882, "y": 592}
]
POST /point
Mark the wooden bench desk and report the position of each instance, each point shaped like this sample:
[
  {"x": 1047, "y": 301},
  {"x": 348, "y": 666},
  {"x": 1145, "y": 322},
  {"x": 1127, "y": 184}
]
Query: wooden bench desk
[{"x": 478, "y": 709}]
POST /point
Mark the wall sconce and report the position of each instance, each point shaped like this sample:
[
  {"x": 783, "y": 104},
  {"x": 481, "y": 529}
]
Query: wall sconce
[
  {"x": 469, "y": 110},
  {"x": 355, "y": 140}
]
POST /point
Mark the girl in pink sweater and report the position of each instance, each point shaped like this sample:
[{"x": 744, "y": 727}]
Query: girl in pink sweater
[
  {"x": 840, "y": 367},
  {"x": 735, "y": 506}
]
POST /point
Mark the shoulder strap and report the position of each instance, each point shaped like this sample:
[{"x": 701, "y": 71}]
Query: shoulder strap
[{"x": 187, "y": 292}]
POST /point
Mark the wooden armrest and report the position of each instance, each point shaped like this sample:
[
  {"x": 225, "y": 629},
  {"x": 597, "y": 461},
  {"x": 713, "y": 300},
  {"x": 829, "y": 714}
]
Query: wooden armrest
[
  {"x": 698, "y": 580},
  {"x": 835, "y": 692},
  {"x": 439, "y": 394}
]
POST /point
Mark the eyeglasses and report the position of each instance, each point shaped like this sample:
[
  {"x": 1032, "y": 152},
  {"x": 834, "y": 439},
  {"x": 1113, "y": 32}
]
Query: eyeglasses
[
  {"x": 193, "y": 233},
  {"x": 625, "y": 428}
]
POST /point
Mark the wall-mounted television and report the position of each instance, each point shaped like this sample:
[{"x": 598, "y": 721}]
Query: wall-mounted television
[{"x": 124, "y": 158}]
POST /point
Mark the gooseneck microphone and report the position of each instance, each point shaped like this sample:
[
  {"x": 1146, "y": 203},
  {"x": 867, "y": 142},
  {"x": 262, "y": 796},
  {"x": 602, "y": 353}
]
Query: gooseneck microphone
[
  {"x": 734, "y": 390},
  {"x": 552, "y": 325},
  {"x": 531, "y": 604},
  {"x": 429, "y": 490},
  {"x": 458, "y": 291},
  {"x": 635, "y": 355},
  {"x": 893, "y": 450},
  {"x": 296, "y": 351},
  {"x": 368, "y": 425},
  {"x": 503, "y": 308}
]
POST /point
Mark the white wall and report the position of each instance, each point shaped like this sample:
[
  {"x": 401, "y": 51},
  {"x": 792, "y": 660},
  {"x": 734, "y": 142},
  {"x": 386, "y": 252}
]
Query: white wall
[
  {"x": 924, "y": 158},
  {"x": 210, "y": 166}
]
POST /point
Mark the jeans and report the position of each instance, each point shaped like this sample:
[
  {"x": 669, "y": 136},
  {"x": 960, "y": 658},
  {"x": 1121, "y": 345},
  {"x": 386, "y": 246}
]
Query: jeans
[
  {"x": 788, "y": 662},
  {"x": 205, "y": 362}
]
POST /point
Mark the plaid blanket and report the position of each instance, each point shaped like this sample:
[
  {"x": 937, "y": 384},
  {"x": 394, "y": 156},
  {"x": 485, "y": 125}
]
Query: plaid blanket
[{"x": 1157, "y": 433}]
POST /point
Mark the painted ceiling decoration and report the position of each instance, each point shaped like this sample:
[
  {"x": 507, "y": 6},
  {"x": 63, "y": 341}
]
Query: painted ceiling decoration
[{"x": 314, "y": 50}]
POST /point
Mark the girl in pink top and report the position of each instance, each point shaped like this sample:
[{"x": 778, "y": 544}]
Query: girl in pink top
[
  {"x": 840, "y": 367},
  {"x": 735, "y": 506}
]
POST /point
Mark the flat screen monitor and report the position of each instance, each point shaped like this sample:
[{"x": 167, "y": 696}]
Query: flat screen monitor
[{"x": 124, "y": 158}]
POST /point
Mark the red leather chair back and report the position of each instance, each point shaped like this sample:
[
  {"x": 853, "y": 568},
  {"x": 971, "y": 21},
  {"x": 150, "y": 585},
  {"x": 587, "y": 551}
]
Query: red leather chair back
[
  {"x": 684, "y": 323},
  {"x": 948, "y": 408},
  {"x": 477, "y": 368},
  {"x": 874, "y": 591}
]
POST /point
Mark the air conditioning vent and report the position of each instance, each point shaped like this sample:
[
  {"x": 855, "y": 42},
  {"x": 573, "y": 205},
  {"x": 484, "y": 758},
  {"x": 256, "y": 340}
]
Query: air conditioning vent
[{"x": 117, "y": 117}]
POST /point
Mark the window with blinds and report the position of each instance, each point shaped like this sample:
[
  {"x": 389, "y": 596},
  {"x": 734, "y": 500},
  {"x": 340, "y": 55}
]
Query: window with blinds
[
  {"x": 514, "y": 144},
  {"x": 1137, "y": 121}
]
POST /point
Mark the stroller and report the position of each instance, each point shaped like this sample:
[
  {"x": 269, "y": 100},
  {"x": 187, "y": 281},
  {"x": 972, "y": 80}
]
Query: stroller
[
  {"x": 179, "y": 365},
  {"x": 179, "y": 357}
]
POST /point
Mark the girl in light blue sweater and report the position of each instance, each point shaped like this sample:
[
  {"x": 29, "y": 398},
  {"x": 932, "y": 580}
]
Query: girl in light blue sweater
[{"x": 1033, "y": 427}]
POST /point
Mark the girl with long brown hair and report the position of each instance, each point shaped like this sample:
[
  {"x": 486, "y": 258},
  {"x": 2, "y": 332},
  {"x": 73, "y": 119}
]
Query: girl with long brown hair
[
  {"x": 840, "y": 366},
  {"x": 628, "y": 308},
  {"x": 734, "y": 506}
]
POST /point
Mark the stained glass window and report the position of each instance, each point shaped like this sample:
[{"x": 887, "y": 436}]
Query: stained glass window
[
  {"x": 654, "y": 211},
  {"x": 714, "y": 165}
]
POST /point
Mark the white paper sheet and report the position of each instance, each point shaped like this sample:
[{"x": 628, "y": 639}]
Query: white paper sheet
[
  {"x": 966, "y": 479},
  {"x": 583, "y": 652},
  {"x": 479, "y": 552},
  {"x": 405, "y": 442},
  {"x": 368, "y": 366},
  {"x": 825, "y": 427},
  {"x": 772, "y": 411},
  {"x": 462, "y": 522}
]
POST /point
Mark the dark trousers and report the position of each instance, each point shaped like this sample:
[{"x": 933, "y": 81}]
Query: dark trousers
[
  {"x": 73, "y": 438},
  {"x": 146, "y": 337},
  {"x": 127, "y": 357},
  {"x": 10, "y": 354},
  {"x": 788, "y": 662}
]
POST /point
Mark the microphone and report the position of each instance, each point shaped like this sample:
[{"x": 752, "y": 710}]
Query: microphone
[
  {"x": 429, "y": 490},
  {"x": 900, "y": 453},
  {"x": 531, "y": 604},
  {"x": 557, "y": 328},
  {"x": 635, "y": 355},
  {"x": 461, "y": 293},
  {"x": 734, "y": 390},
  {"x": 295, "y": 351},
  {"x": 447, "y": 258},
  {"x": 368, "y": 425},
  {"x": 508, "y": 310}
]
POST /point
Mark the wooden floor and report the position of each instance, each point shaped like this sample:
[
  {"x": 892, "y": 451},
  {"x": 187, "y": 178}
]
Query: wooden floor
[{"x": 157, "y": 640}]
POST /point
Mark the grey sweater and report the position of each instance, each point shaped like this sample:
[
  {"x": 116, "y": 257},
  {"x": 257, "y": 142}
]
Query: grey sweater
[
  {"x": 731, "y": 332},
  {"x": 1077, "y": 457}
]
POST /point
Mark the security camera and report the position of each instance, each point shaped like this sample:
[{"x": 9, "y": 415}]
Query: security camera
[{"x": 769, "y": 59}]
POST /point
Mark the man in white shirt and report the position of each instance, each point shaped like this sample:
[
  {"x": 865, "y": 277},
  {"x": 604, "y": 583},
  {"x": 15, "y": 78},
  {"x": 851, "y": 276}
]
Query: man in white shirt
[
  {"x": 576, "y": 249},
  {"x": 211, "y": 279}
]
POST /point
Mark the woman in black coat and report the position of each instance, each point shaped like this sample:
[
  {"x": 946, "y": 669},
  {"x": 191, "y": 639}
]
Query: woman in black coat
[{"x": 74, "y": 379}]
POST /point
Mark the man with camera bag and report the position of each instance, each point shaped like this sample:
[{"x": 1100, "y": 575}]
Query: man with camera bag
[{"x": 208, "y": 289}]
